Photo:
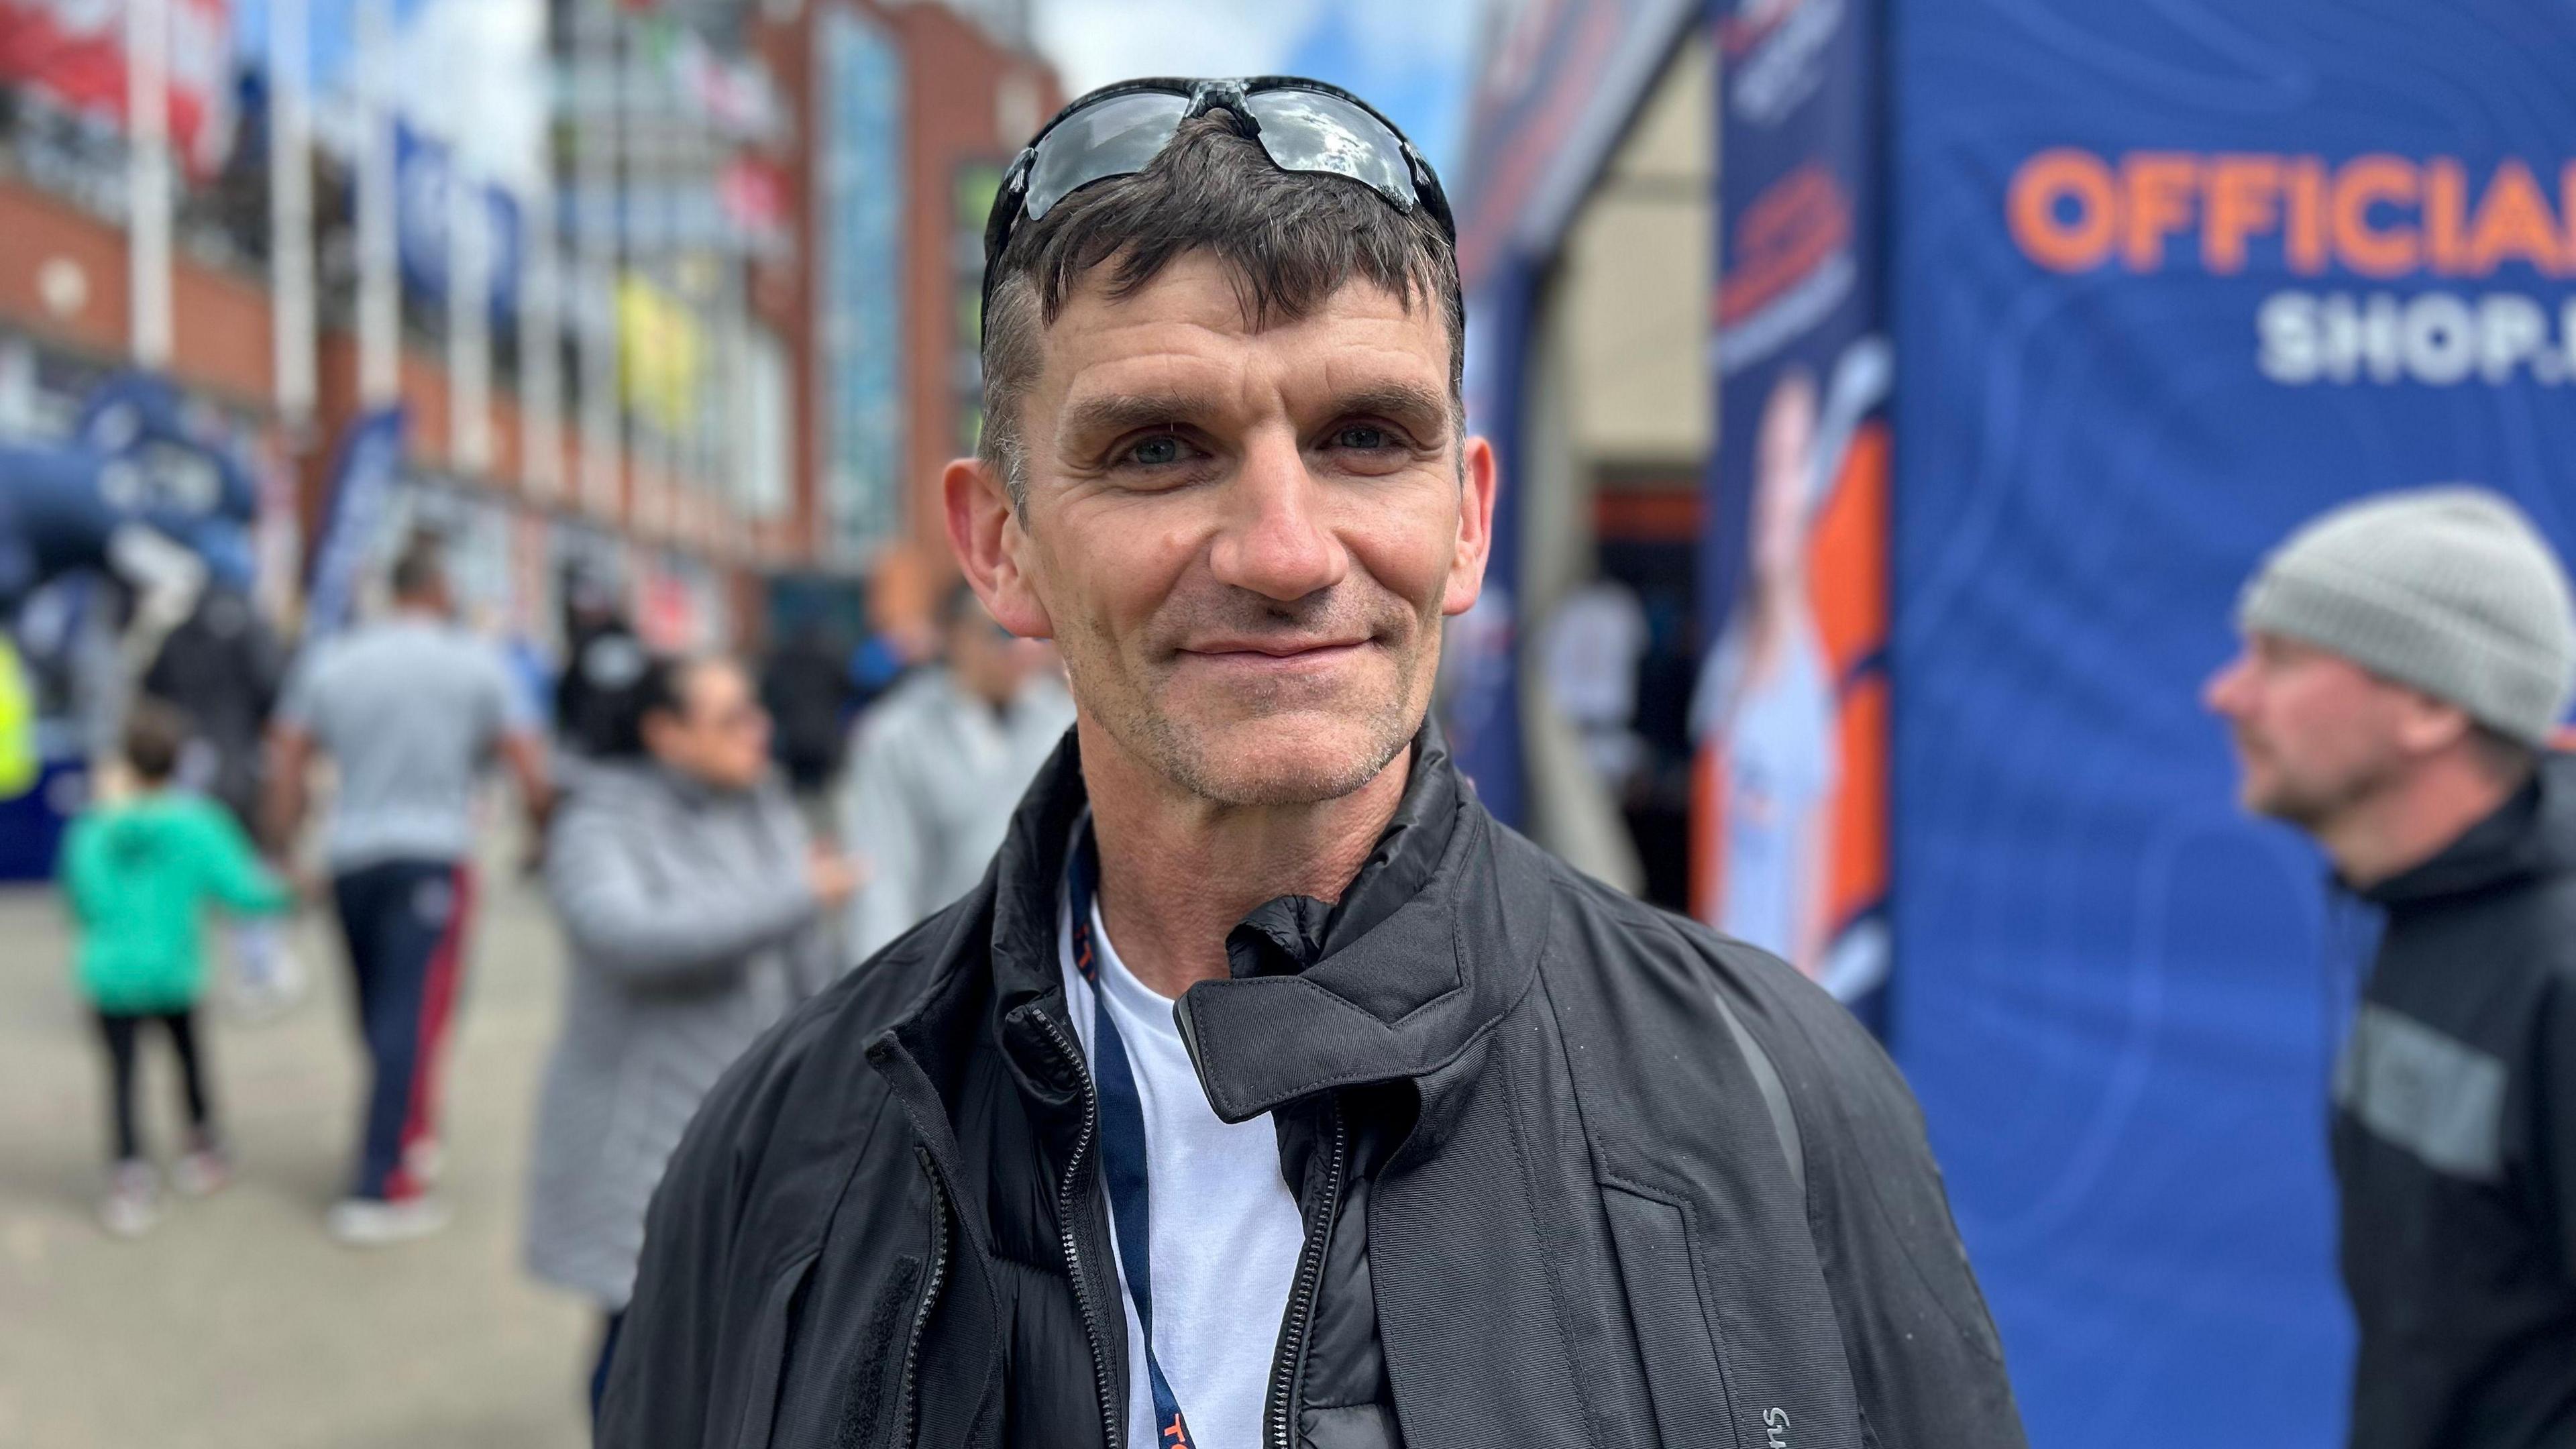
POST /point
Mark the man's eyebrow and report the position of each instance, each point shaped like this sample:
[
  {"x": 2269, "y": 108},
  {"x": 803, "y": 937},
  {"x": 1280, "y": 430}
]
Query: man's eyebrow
[
  {"x": 1396, "y": 401},
  {"x": 1121, "y": 412}
]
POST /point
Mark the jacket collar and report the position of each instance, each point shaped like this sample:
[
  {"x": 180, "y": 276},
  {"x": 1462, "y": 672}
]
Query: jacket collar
[
  {"x": 1394, "y": 998},
  {"x": 2528, "y": 836},
  {"x": 1374, "y": 988}
]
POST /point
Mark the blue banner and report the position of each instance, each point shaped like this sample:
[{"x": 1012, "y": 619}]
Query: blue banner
[
  {"x": 1790, "y": 716},
  {"x": 425, "y": 170},
  {"x": 362, "y": 483},
  {"x": 2173, "y": 278}
]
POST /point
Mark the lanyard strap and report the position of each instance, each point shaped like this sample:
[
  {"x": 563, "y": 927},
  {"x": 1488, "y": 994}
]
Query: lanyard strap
[{"x": 1122, "y": 1142}]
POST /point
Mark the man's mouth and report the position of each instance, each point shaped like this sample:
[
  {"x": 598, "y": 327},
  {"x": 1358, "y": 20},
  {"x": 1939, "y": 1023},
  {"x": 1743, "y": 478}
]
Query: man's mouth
[{"x": 1272, "y": 655}]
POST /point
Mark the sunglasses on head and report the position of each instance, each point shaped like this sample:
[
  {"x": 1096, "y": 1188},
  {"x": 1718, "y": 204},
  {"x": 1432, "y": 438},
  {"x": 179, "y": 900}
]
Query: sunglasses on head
[{"x": 1303, "y": 125}]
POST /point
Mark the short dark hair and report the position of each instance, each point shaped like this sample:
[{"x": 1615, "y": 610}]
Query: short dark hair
[
  {"x": 156, "y": 733},
  {"x": 662, "y": 687},
  {"x": 655, "y": 689},
  {"x": 420, "y": 569},
  {"x": 1290, "y": 239}
]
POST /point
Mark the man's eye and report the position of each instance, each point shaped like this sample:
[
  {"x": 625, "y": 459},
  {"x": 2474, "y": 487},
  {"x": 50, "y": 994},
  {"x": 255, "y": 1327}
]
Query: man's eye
[
  {"x": 1365, "y": 437},
  {"x": 1159, "y": 451}
]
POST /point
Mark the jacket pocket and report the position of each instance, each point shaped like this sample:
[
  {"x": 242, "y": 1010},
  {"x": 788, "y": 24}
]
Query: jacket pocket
[
  {"x": 764, "y": 1363},
  {"x": 1683, "y": 1375},
  {"x": 1352, "y": 1426}
]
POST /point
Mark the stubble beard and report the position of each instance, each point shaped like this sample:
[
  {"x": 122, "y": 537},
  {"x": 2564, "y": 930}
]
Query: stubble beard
[
  {"x": 1196, "y": 759},
  {"x": 2317, "y": 806}
]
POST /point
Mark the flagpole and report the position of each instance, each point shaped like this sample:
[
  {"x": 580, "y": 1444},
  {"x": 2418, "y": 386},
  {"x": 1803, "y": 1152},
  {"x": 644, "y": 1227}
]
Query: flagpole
[
  {"x": 540, "y": 323},
  {"x": 598, "y": 221},
  {"x": 379, "y": 293},
  {"x": 733, "y": 473},
  {"x": 290, "y": 214},
  {"x": 469, "y": 318},
  {"x": 646, "y": 158},
  {"x": 148, "y": 177}
]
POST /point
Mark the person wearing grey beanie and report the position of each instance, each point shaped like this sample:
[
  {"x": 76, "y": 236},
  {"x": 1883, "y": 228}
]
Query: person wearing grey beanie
[{"x": 2407, "y": 661}]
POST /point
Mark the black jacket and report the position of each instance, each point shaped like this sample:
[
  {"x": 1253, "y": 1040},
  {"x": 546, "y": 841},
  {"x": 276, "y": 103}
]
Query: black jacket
[
  {"x": 595, "y": 694},
  {"x": 807, "y": 691},
  {"x": 1575, "y": 1172},
  {"x": 2455, "y": 1141},
  {"x": 223, "y": 667}
]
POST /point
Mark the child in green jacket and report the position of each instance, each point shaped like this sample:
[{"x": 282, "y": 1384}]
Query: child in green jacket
[{"x": 139, "y": 875}]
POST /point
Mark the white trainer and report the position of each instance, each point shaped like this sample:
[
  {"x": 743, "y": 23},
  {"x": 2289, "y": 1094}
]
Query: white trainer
[
  {"x": 133, "y": 1202},
  {"x": 366, "y": 1222},
  {"x": 201, "y": 1173}
]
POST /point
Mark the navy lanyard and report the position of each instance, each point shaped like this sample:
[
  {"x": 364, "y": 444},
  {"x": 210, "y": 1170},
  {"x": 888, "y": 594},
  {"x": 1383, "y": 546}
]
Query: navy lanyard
[{"x": 1122, "y": 1142}]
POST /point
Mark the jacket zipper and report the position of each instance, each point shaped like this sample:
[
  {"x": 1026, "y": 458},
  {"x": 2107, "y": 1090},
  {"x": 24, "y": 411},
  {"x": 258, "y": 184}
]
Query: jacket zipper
[
  {"x": 1065, "y": 1201},
  {"x": 1289, "y": 1368},
  {"x": 907, "y": 1406}
]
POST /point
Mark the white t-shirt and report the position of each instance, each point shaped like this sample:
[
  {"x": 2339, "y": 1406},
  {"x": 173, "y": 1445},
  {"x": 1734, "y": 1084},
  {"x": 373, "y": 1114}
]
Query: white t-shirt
[{"x": 1226, "y": 1230}]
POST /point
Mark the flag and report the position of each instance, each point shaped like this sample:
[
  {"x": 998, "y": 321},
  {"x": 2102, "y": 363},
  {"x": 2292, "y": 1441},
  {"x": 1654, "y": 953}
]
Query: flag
[
  {"x": 72, "y": 52},
  {"x": 361, "y": 490}
]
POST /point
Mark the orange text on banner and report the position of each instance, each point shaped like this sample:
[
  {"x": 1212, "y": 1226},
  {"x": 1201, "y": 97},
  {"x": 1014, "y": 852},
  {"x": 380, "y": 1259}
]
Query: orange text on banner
[{"x": 2376, "y": 215}]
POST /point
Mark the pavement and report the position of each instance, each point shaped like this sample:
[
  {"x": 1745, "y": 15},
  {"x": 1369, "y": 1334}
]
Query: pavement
[{"x": 236, "y": 1322}]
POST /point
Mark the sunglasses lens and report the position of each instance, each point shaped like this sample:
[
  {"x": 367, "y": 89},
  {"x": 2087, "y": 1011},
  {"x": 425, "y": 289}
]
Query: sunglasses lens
[
  {"x": 1309, "y": 131},
  {"x": 1117, "y": 137}
]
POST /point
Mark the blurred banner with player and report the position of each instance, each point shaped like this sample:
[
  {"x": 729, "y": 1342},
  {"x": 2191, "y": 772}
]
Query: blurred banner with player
[
  {"x": 2173, "y": 278},
  {"x": 1790, "y": 717}
]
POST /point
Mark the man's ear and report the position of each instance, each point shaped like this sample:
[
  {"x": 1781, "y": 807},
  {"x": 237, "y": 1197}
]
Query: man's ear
[
  {"x": 2428, "y": 726},
  {"x": 985, "y": 534},
  {"x": 1476, "y": 485}
]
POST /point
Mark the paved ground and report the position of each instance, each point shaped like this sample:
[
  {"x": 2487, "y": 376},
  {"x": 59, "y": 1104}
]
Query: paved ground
[{"x": 236, "y": 1322}]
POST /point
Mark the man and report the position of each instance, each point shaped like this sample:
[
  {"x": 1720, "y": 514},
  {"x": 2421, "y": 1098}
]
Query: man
[
  {"x": 937, "y": 766},
  {"x": 1267, "y": 1090},
  {"x": 602, "y": 660},
  {"x": 410, "y": 709},
  {"x": 806, "y": 687},
  {"x": 2406, "y": 660},
  {"x": 222, "y": 666}
]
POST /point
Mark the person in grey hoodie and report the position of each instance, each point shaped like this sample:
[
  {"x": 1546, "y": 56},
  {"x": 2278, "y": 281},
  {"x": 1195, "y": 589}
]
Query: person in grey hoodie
[
  {"x": 695, "y": 909},
  {"x": 937, "y": 767}
]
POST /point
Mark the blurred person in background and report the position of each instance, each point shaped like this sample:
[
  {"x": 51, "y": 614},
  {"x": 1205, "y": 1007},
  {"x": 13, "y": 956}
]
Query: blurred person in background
[
  {"x": 140, "y": 873},
  {"x": 694, "y": 907},
  {"x": 1375, "y": 1124},
  {"x": 807, "y": 689},
  {"x": 1589, "y": 654},
  {"x": 938, "y": 766},
  {"x": 222, "y": 667},
  {"x": 1767, "y": 695},
  {"x": 603, "y": 658},
  {"x": 1768, "y": 700},
  {"x": 2406, "y": 661},
  {"x": 411, "y": 708}
]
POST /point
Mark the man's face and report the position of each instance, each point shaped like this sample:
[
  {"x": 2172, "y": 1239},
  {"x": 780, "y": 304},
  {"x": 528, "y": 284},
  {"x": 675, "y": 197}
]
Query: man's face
[
  {"x": 1785, "y": 456},
  {"x": 719, "y": 735},
  {"x": 2315, "y": 733},
  {"x": 1243, "y": 541}
]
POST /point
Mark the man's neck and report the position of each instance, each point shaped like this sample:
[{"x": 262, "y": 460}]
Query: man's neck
[
  {"x": 2406, "y": 826},
  {"x": 1178, "y": 872}
]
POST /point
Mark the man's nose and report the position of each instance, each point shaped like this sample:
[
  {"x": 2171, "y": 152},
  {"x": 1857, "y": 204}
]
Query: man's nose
[
  {"x": 2224, "y": 694},
  {"x": 1275, "y": 541}
]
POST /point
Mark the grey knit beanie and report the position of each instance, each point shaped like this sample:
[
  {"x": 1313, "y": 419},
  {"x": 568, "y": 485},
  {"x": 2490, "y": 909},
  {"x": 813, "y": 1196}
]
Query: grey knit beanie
[{"x": 2449, "y": 590}]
